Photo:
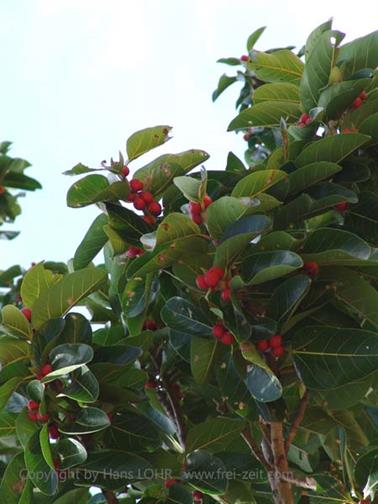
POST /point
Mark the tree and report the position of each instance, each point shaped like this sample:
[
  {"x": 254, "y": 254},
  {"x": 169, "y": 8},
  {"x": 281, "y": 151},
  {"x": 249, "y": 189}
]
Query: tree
[{"x": 231, "y": 346}]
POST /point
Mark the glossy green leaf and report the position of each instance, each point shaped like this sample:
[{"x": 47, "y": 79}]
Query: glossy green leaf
[
  {"x": 267, "y": 114},
  {"x": 189, "y": 187},
  {"x": 12, "y": 481},
  {"x": 202, "y": 358},
  {"x": 278, "y": 66},
  {"x": 254, "y": 37},
  {"x": 181, "y": 315},
  {"x": 87, "y": 421},
  {"x": 144, "y": 140},
  {"x": 35, "y": 282},
  {"x": 206, "y": 473},
  {"x": 36, "y": 390},
  {"x": 14, "y": 322},
  {"x": 359, "y": 54},
  {"x": 332, "y": 148},
  {"x": 36, "y": 465},
  {"x": 76, "y": 329},
  {"x": 83, "y": 387},
  {"x": 213, "y": 434},
  {"x": 7, "y": 389},
  {"x": 265, "y": 266},
  {"x": 315, "y": 36},
  {"x": 71, "y": 453},
  {"x": 94, "y": 188},
  {"x": 257, "y": 182},
  {"x": 287, "y": 296},
  {"x": 7, "y": 423},
  {"x": 222, "y": 213},
  {"x": 12, "y": 349},
  {"x": 66, "y": 358},
  {"x": 25, "y": 428},
  {"x": 279, "y": 91},
  {"x": 328, "y": 357},
  {"x": 45, "y": 446},
  {"x": 224, "y": 82},
  {"x": 174, "y": 226},
  {"x": 61, "y": 297},
  {"x": 93, "y": 241},
  {"x": 127, "y": 224},
  {"x": 308, "y": 175}
]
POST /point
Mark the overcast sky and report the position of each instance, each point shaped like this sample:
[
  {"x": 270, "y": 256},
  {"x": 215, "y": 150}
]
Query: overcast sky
[{"x": 79, "y": 76}]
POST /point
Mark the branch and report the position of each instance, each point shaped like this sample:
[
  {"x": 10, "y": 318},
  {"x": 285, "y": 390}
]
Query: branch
[
  {"x": 297, "y": 420},
  {"x": 255, "y": 450},
  {"x": 307, "y": 483},
  {"x": 110, "y": 497},
  {"x": 281, "y": 466}
]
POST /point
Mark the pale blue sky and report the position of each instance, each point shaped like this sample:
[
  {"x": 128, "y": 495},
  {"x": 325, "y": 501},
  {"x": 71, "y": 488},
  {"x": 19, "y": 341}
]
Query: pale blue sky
[{"x": 79, "y": 76}]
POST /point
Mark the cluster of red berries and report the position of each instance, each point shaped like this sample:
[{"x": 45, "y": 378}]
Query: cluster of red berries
[
  {"x": 311, "y": 268},
  {"x": 342, "y": 207},
  {"x": 33, "y": 413},
  {"x": 358, "y": 101},
  {"x": 212, "y": 279},
  {"x": 45, "y": 370},
  {"x": 134, "y": 252},
  {"x": 221, "y": 334},
  {"x": 196, "y": 209},
  {"x": 274, "y": 345},
  {"x": 304, "y": 120},
  {"x": 27, "y": 313}
]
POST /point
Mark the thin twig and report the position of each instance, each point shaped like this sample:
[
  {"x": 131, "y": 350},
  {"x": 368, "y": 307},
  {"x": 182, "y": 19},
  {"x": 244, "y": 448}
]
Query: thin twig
[
  {"x": 297, "y": 420},
  {"x": 110, "y": 497},
  {"x": 255, "y": 450}
]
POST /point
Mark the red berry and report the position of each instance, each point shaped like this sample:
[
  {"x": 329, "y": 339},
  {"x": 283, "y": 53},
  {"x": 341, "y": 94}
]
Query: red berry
[
  {"x": 226, "y": 295},
  {"x": 150, "y": 385},
  {"x": 247, "y": 136},
  {"x": 304, "y": 120},
  {"x": 136, "y": 185},
  {"x": 27, "y": 313},
  {"x": 195, "y": 208},
  {"x": 357, "y": 103},
  {"x": 342, "y": 207},
  {"x": 125, "y": 171},
  {"x": 147, "y": 197},
  {"x": 134, "y": 252},
  {"x": 218, "y": 330},
  {"x": 227, "y": 338},
  {"x": 150, "y": 325},
  {"x": 176, "y": 391},
  {"x": 363, "y": 95},
  {"x": 347, "y": 131},
  {"x": 154, "y": 208},
  {"x": 262, "y": 345},
  {"x": 170, "y": 482},
  {"x": 244, "y": 57},
  {"x": 46, "y": 369},
  {"x": 109, "y": 414},
  {"x": 213, "y": 276},
  {"x": 201, "y": 282},
  {"x": 57, "y": 463},
  {"x": 275, "y": 341},
  {"x": 150, "y": 219},
  {"x": 32, "y": 405},
  {"x": 2, "y": 189},
  {"x": 33, "y": 416},
  {"x": 197, "y": 496},
  {"x": 207, "y": 200},
  {"x": 53, "y": 431},
  {"x": 43, "y": 418},
  {"x": 131, "y": 196},
  {"x": 139, "y": 204},
  {"x": 278, "y": 352},
  {"x": 311, "y": 268},
  {"x": 197, "y": 218}
]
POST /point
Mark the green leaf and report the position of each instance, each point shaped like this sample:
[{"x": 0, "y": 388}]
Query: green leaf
[
  {"x": 80, "y": 169},
  {"x": 318, "y": 68},
  {"x": 359, "y": 54},
  {"x": 287, "y": 296},
  {"x": 328, "y": 357},
  {"x": 254, "y": 37},
  {"x": 133, "y": 432},
  {"x": 66, "y": 358},
  {"x": 277, "y": 66},
  {"x": 14, "y": 323},
  {"x": 363, "y": 218},
  {"x": 257, "y": 182},
  {"x": 370, "y": 127},
  {"x": 36, "y": 390},
  {"x": 267, "y": 114},
  {"x": 146, "y": 139},
  {"x": 311, "y": 174},
  {"x": 336, "y": 98},
  {"x": 315, "y": 36},
  {"x": 334, "y": 246},
  {"x": 35, "y": 282},
  {"x": 277, "y": 92},
  {"x": 224, "y": 82},
  {"x": 7, "y": 423},
  {"x": 93, "y": 241},
  {"x": 45, "y": 446},
  {"x": 76, "y": 329},
  {"x": 94, "y": 188},
  {"x": 83, "y": 387},
  {"x": 213, "y": 434},
  {"x": 202, "y": 358},
  {"x": 7, "y": 390},
  {"x": 229, "y": 61},
  {"x": 88, "y": 420},
  {"x": 71, "y": 453},
  {"x": 128, "y": 225},
  {"x": 189, "y": 187},
  {"x": 78, "y": 496},
  {"x": 181, "y": 315},
  {"x": 366, "y": 472},
  {"x": 36, "y": 465},
  {"x": 12, "y": 349},
  {"x": 234, "y": 164},
  {"x": 265, "y": 266},
  {"x": 224, "y": 212},
  {"x": 159, "y": 173},
  {"x": 61, "y": 297},
  {"x": 25, "y": 428},
  {"x": 12, "y": 481},
  {"x": 332, "y": 148},
  {"x": 262, "y": 383},
  {"x": 175, "y": 226},
  {"x": 206, "y": 473}
]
